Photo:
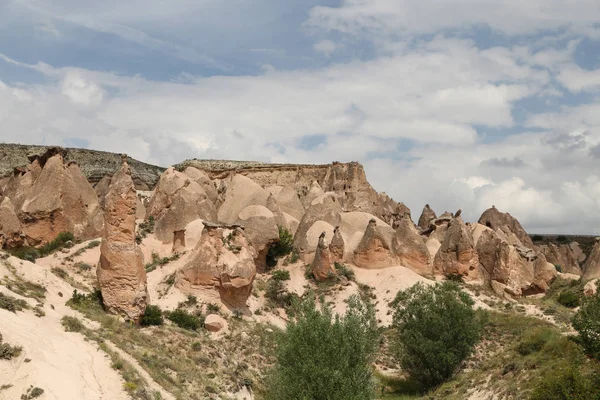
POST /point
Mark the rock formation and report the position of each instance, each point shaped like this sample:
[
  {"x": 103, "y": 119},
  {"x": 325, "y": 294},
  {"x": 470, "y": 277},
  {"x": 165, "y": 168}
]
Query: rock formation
[
  {"x": 591, "y": 268},
  {"x": 240, "y": 193},
  {"x": 457, "y": 255},
  {"x": 337, "y": 246},
  {"x": 495, "y": 219},
  {"x": 11, "y": 233},
  {"x": 427, "y": 215},
  {"x": 375, "y": 249},
  {"x": 51, "y": 196},
  {"x": 322, "y": 266},
  {"x": 203, "y": 180},
  {"x": 260, "y": 227},
  {"x": 563, "y": 256},
  {"x": 121, "y": 273},
  {"x": 222, "y": 260},
  {"x": 318, "y": 218},
  {"x": 178, "y": 241},
  {"x": 410, "y": 248},
  {"x": 176, "y": 201}
]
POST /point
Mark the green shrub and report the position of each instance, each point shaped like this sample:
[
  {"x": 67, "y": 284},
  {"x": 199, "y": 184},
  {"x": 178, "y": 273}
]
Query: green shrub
[
  {"x": 458, "y": 278},
  {"x": 537, "y": 238},
  {"x": 569, "y": 298},
  {"x": 31, "y": 253},
  {"x": 144, "y": 229},
  {"x": 534, "y": 340},
  {"x": 587, "y": 323},
  {"x": 152, "y": 316},
  {"x": 561, "y": 238},
  {"x": 8, "y": 352},
  {"x": 566, "y": 383},
  {"x": 437, "y": 329},
  {"x": 323, "y": 357},
  {"x": 281, "y": 248},
  {"x": 185, "y": 320},
  {"x": 72, "y": 324},
  {"x": 280, "y": 275},
  {"x": 12, "y": 304},
  {"x": 343, "y": 270},
  {"x": 278, "y": 294},
  {"x": 32, "y": 393},
  {"x": 212, "y": 308}
]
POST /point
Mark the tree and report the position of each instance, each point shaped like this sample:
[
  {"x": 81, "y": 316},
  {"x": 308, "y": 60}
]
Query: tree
[
  {"x": 437, "y": 329},
  {"x": 587, "y": 323},
  {"x": 322, "y": 356}
]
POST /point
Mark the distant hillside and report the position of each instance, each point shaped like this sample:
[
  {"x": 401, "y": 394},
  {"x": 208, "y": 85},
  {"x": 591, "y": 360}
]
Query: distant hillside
[
  {"x": 94, "y": 164},
  {"x": 586, "y": 242}
]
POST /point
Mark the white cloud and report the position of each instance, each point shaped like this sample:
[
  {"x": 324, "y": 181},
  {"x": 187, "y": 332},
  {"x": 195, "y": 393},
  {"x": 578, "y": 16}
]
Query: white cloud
[
  {"x": 327, "y": 47},
  {"x": 80, "y": 90},
  {"x": 577, "y": 79}
]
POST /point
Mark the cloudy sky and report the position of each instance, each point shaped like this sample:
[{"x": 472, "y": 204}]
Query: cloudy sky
[{"x": 455, "y": 103}]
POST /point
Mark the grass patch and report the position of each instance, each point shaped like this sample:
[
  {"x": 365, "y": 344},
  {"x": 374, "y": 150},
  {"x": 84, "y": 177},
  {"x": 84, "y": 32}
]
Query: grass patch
[
  {"x": 64, "y": 239},
  {"x": 185, "y": 320},
  {"x": 12, "y": 304},
  {"x": 157, "y": 261},
  {"x": 343, "y": 270},
  {"x": 32, "y": 393},
  {"x": 8, "y": 352},
  {"x": 144, "y": 229}
]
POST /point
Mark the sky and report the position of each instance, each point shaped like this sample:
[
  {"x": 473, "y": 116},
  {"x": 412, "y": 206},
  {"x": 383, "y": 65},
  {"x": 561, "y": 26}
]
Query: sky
[{"x": 456, "y": 103}]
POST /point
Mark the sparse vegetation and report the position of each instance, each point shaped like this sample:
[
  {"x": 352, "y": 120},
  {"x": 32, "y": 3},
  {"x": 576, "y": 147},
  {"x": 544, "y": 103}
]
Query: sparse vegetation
[
  {"x": 72, "y": 324},
  {"x": 152, "y": 316},
  {"x": 587, "y": 323},
  {"x": 157, "y": 261},
  {"x": 64, "y": 239},
  {"x": 185, "y": 320},
  {"x": 12, "y": 304},
  {"x": 8, "y": 352},
  {"x": 144, "y": 229},
  {"x": 281, "y": 248},
  {"x": 343, "y": 270},
  {"x": 280, "y": 275},
  {"x": 32, "y": 393},
  {"x": 428, "y": 353},
  {"x": 322, "y": 356}
]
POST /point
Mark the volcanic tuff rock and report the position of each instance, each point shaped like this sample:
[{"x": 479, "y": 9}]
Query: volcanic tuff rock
[
  {"x": 51, "y": 196},
  {"x": 563, "y": 256},
  {"x": 457, "y": 253},
  {"x": 11, "y": 233},
  {"x": 176, "y": 201},
  {"x": 496, "y": 219},
  {"x": 240, "y": 193},
  {"x": 318, "y": 218},
  {"x": 410, "y": 248},
  {"x": 337, "y": 245},
  {"x": 121, "y": 273},
  {"x": 322, "y": 266},
  {"x": 260, "y": 227},
  {"x": 222, "y": 260},
  {"x": 591, "y": 268},
  {"x": 427, "y": 215},
  {"x": 375, "y": 248}
]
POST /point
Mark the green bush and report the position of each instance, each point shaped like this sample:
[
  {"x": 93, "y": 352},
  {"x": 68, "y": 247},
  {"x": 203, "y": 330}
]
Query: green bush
[
  {"x": 587, "y": 323},
  {"x": 281, "y": 248},
  {"x": 561, "y": 239},
  {"x": 72, "y": 324},
  {"x": 558, "y": 268},
  {"x": 566, "y": 383},
  {"x": 8, "y": 352},
  {"x": 278, "y": 294},
  {"x": 343, "y": 270},
  {"x": 31, "y": 253},
  {"x": 569, "y": 298},
  {"x": 437, "y": 329},
  {"x": 280, "y": 275},
  {"x": 32, "y": 393},
  {"x": 152, "y": 316},
  {"x": 534, "y": 340},
  {"x": 12, "y": 304},
  {"x": 185, "y": 320},
  {"x": 322, "y": 357}
]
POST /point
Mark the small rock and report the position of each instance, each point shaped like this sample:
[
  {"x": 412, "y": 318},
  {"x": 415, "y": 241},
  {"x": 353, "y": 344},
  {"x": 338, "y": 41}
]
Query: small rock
[
  {"x": 214, "y": 323},
  {"x": 269, "y": 330},
  {"x": 244, "y": 335},
  {"x": 590, "y": 288},
  {"x": 64, "y": 250}
]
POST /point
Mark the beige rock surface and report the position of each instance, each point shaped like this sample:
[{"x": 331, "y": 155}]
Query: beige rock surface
[
  {"x": 327, "y": 215},
  {"x": 457, "y": 253},
  {"x": 201, "y": 178},
  {"x": 337, "y": 246},
  {"x": 375, "y": 249},
  {"x": 261, "y": 230},
  {"x": 410, "y": 249},
  {"x": 222, "y": 261},
  {"x": 241, "y": 192},
  {"x": 214, "y": 323},
  {"x": 562, "y": 255},
  {"x": 121, "y": 273},
  {"x": 427, "y": 215},
  {"x": 11, "y": 233},
  {"x": 591, "y": 268},
  {"x": 495, "y": 219},
  {"x": 322, "y": 266}
]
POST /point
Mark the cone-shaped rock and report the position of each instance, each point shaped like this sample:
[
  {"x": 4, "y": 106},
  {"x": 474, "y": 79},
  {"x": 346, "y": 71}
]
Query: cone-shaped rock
[
  {"x": 337, "y": 245},
  {"x": 11, "y": 233},
  {"x": 375, "y": 249},
  {"x": 495, "y": 219},
  {"x": 261, "y": 230},
  {"x": 223, "y": 261},
  {"x": 322, "y": 266},
  {"x": 427, "y": 215},
  {"x": 457, "y": 253},
  {"x": 121, "y": 273},
  {"x": 410, "y": 248},
  {"x": 591, "y": 268},
  {"x": 562, "y": 255}
]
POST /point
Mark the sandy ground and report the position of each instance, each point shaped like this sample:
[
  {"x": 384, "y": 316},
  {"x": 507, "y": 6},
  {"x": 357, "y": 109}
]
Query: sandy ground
[{"x": 62, "y": 363}]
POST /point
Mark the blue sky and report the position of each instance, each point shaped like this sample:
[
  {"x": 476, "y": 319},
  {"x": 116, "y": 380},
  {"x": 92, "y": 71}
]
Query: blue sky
[{"x": 459, "y": 104}]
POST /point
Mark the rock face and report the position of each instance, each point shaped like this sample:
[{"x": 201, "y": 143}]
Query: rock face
[
  {"x": 322, "y": 266},
  {"x": 495, "y": 219},
  {"x": 176, "y": 201},
  {"x": 222, "y": 260},
  {"x": 591, "y": 268},
  {"x": 337, "y": 245},
  {"x": 457, "y": 255},
  {"x": 11, "y": 233},
  {"x": 375, "y": 249},
  {"x": 214, "y": 323},
  {"x": 513, "y": 270},
  {"x": 318, "y": 218},
  {"x": 563, "y": 256},
  {"x": 427, "y": 215},
  {"x": 240, "y": 193},
  {"x": 260, "y": 227},
  {"x": 591, "y": 288},
  {"x": 121, "y": 273},
  {"x": 51, "y": 196},
  {"x": 410, "y": 248}
]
